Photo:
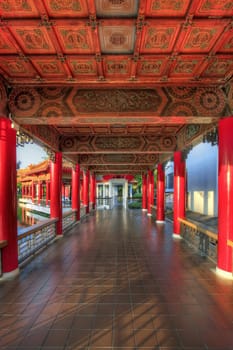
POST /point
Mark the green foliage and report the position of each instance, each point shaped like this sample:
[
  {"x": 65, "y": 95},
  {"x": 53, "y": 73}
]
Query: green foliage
[{"x": 135, "y": 205}]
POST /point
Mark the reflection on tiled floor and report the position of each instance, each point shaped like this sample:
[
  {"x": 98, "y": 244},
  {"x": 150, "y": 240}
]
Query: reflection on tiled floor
[{"x": 117, "y": 281}]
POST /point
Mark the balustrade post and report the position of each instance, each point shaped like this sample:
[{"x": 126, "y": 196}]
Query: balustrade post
[
  {"x": 160, "y": 217},
  {"x": 8, "y": 198},
  {"x": 179, "y": 192},
  {"x": 55, "y": 191},
  {"x": 225, "y": 196}
]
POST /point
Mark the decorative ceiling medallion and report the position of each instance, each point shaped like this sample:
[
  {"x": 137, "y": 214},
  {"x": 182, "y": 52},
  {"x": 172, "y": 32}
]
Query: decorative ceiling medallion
[
  {"x": 201, "y": 36},
  {"x": 52, "y": 92},
  {"x": 151, "y": 66},
  {"x": 210, "y": 101},
  {"x": 159, "y": 38},
  {"x": 115, "y": 66},
  {"x": 82, "y": 66},
  {"x": 167, "y": 8},
  {"x": 16, "y": 67},
  {"x": 119, "y": 8},
  {"x": 49, "y": 67},
  {"x": 77, "y": 39},
  {"x": 219, "y": 66},
  {"x": 186, "y": 65},
  {"x": 215, "y": 8},
  {"x": 67, "y": 8},
  {"x": 18, "y": 8},
  {"x": 181, "y": 109},
  {"x": 33, "y": 39},
  {"x": 24, "y": 102},
  {"x": 117, "y": 39}
]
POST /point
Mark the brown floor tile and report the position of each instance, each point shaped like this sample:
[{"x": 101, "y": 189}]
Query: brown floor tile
[
  {"x": 145, "y": 338},
  {"x": 109, "y": 285},
  {"x": 101, "y": 338},
  {"x": 103, "y": 322},
  {"x": 167, "y": 337},
  {"x": 83, "y": 322},
  {"x": 144, "y": 321},
  {"x": 124, "y": 338},
  {"x": 34, "y": 338},
  {"x": 78, "y": 338},
  {"x": 56, "y": 337}
]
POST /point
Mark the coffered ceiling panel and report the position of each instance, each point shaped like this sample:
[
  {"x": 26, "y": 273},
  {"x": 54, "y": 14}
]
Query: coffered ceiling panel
[
  {"x": 17, "y": 67},
  {"x": 149, "y": 41},
  {"x": 201, "y": 36},
  {"x": 70, "y": 8},
  {"x": 32, "y": 38},
  {"x": 117, "y": 37},
  {"x": 167, "y": 8},
  {"x": 154, "y": 74},
  {"x": 75, "y": 39},
  {"x": 159, "y": 36},
  {"x": 214, "y": 8},
  {"x": 116, "y": 8},
  {"x": 19, "y": 8}
]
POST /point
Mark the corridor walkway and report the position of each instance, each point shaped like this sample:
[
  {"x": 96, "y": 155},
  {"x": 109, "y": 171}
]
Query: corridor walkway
[{"x": 117, "y": 281}]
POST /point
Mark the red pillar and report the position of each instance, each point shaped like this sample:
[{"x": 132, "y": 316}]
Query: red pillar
[
  {"x": 67, "y": 191},
  {"x": 179, "y": 192},
  {"x": 150, "y": 191},
  {"x": 94, "y": 193},
  {"x": 92, "y": 190},
  {"x": 160, "y": 218},
  {"x": 86, "y": 190},
  {"x": 63, "y": 191},
  {"x": 8, "y": 198},
  {"x": 76, "y": 190},
  {"x": 47, "y": 192},
  {"x": 144, "y": 192},
  {"x": 39, "y": 192},
  {"x": 55, "y": 191},
  {"x": 225, "y": 196},
  {"x": 33, "y": 191}
]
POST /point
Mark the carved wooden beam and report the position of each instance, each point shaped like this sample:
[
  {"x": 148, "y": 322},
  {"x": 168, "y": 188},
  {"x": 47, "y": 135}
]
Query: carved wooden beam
[{"x": 62, "y": 105}]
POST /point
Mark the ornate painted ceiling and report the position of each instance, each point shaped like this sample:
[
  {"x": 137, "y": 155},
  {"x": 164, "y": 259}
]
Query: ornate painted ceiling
[{"x": 115, "y": 83}]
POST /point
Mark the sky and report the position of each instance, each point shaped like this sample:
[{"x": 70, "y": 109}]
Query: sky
[{"x": 30, "y": 154}]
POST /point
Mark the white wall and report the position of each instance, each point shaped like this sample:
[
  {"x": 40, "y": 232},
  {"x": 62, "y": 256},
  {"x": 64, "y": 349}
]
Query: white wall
[{"x": 202, "y": 177}]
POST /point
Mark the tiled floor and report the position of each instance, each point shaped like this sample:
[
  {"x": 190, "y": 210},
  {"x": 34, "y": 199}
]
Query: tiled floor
[{"x": 117, "y": 281}]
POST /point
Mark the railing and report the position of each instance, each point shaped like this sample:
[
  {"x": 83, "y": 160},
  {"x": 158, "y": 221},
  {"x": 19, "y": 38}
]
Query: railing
[
  {"x": 153, "y": 211},
  {"x": 35, "y": 238},
  {"x": 202, "y": 240},
  {"x": 82, "y": 211},
  {"x": 69, "y": 220},
  {"x": 3, "y": 244}
]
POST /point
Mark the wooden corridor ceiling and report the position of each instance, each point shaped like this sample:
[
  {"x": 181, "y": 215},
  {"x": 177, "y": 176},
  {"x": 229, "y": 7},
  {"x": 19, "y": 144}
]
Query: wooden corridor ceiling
[{"x": 117, "y": 84}]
